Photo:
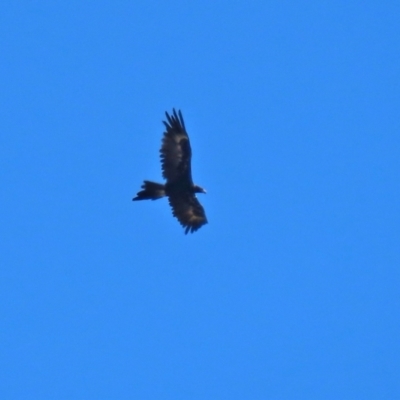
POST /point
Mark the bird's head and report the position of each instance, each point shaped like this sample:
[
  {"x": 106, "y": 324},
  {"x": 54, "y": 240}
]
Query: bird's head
[{"x": 198, "y": 189}]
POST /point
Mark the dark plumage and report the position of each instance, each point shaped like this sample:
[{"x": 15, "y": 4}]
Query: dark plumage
[{"x": 176, "y": 155}]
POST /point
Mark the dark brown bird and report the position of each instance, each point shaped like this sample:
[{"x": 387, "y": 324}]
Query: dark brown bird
[{"x": 176, "y": 155}]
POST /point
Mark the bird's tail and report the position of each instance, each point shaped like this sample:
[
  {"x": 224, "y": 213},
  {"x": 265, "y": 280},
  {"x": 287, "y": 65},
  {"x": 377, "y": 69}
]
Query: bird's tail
[{"x": 151, "y": 191}]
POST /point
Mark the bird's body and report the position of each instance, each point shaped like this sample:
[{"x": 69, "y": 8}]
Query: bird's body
[{"x": 176, "y": 155}]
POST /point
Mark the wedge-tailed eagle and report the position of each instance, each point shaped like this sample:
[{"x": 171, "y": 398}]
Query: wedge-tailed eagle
[{"x": 176, "y": 155}]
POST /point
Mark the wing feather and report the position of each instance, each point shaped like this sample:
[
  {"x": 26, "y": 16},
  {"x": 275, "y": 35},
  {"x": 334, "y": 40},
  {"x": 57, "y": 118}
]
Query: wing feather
[
  {"x": 188, "y": 210},
  {"x": 176, "y": 153}
]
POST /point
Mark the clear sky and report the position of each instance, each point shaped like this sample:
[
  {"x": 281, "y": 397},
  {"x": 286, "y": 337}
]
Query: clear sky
[{"x": 292, "y": 291}]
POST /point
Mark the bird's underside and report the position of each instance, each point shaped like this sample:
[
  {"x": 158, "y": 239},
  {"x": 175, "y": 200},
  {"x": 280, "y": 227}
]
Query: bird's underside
[{"x": 176, "y": 156}]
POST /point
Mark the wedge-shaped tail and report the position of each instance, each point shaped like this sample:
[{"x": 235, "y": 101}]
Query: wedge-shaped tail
[{"x": 151, "y": 191}]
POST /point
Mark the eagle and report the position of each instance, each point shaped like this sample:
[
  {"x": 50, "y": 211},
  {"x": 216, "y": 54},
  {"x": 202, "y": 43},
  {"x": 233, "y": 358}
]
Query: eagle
[{"x": 176, "y": 155}]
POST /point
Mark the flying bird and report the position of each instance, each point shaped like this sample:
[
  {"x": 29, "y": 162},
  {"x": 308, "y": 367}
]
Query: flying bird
[{"x": 176, "y": 155}]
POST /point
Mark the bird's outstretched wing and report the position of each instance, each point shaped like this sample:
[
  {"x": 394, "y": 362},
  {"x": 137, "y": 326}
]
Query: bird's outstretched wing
[
  {"x": 176, "y": 152},
  {"x": 189, "y": 212}
]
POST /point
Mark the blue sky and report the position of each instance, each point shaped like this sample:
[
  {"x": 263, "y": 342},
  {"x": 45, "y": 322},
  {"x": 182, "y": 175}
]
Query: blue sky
[{"x": 292, "y": 289}]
